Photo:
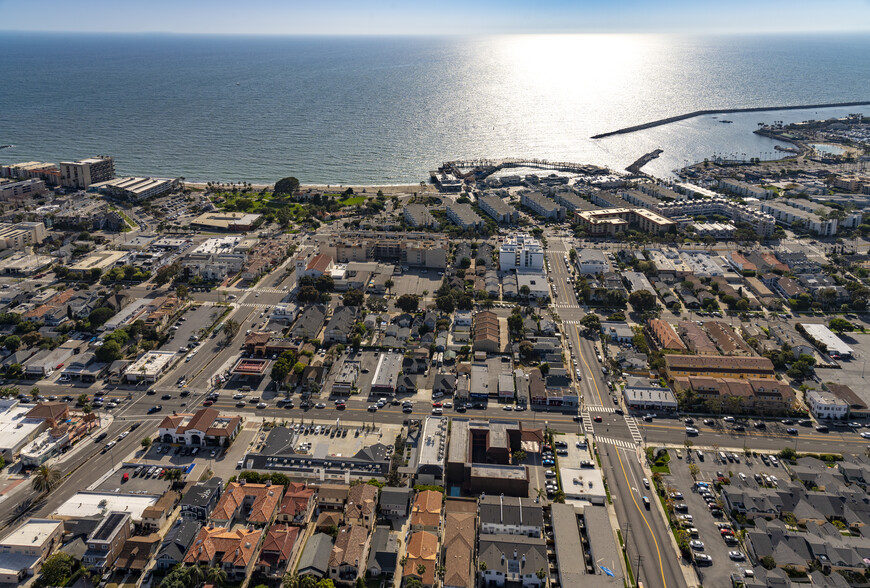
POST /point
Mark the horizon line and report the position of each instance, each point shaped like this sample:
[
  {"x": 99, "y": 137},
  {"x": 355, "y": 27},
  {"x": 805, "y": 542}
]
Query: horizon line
[{"x": 694, "y": 33}]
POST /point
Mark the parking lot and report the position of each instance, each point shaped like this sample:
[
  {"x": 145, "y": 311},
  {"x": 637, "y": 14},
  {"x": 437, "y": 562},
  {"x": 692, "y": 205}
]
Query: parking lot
[
  {"x": 140, "y": 480},
  {"x": 416, "y": 281},
  {"x": 688, "y": 499}
]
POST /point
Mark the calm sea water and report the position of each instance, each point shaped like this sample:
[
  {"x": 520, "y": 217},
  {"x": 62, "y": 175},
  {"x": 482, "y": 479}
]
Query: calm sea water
[{"x": 386, "y": 110}]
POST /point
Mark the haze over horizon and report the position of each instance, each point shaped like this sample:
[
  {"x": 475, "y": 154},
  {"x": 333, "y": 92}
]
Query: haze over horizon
[{"x": 386, "y": 17}]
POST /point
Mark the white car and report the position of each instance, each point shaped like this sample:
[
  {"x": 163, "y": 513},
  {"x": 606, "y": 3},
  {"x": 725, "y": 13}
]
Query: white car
[
  {"x": 736, "y": 555},
  {"x": 695, "y": 544},
  {"x": 866, "y": 434},
  {"x": 238, "y": 396},
  {"x": 262, "y": 405}
]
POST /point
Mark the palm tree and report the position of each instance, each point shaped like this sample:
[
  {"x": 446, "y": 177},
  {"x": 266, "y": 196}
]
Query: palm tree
[
  {"x": 308, "y": 581},
  {"x": 541, "y": 574},
  {"x": 196, "y": 575},
  {"x": 231, "y": 329},
  {"x": 45, "y": 479},
  {"x": 421, "y": 569},
  {"x": 291, "y": 580},
  {"x": 217, "y": 576}
]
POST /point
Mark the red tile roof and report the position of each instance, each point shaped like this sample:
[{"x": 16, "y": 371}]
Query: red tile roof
[{"x": 236, "y": 546}]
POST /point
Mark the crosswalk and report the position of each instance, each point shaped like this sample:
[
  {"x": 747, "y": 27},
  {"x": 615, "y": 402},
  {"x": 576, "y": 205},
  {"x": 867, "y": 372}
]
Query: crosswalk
[
  {"x": 587, "y": 424},
  {"x": 565, "y": 305},
  {"x": 632, "y": 427},
  {"x": 617, "y": 442},
  {"x": 596, "y": 408},
  {"x": 253, "y": 305}
]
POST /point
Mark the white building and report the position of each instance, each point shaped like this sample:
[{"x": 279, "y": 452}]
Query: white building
[
  {"x": 744, "y": 189},
  {"x": 825, "y": 336},
  {"x": 23, "y": 551},
  {"x": 16, "y": 430},
  {"x": 521, "y": 252},
  {"x": 825, "y": 405},
  {"x": 216, "y": 258},
  {"x": 592, "y": 262},
  {"x": 150, "y": 366}
]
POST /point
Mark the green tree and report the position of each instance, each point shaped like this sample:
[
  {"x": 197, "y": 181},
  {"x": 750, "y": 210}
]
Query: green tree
[
  {"x": 12, "y": 342},
  {"x": 353, "y": 297},
  {"x": 767, "y": 562},
  {"x": 108, "y": 352},
  {"x": 642, "y": 300},
  {"x": 57, "y": 569},
  {"x": 591, "y": 322},
  {"x": 45, "y": 479},
  {"x": 217, "y": 576},
  {"x": 408, "y": 302},
  {"x": 414, "y": 582},
  {"x": 182, "y": 292},
  {"x": 288, "y": 186},
  {"x": 519, "y": 456},
  {"x": 100, "y": 316},
  {"x": 325, "y": 583},
  {"x": 840, "y": 325},
  {"x": 146, "y": 442},
  {"x": 231, "y": 329}
]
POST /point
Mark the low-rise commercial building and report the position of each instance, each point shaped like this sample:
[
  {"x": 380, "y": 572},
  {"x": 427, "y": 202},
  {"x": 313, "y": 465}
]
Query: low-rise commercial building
[
  {"x": 149, "y": 366},
  {"x": 24, "y": 550},
  {"x": 824, "y": 336},
  {"x": 826, "y": 405},
  {"x": 645, "y": 394},
  {"x": 206, "y": 427},
  {"x": 136, "y": 188},
  {"x": 226, "y": 221}
]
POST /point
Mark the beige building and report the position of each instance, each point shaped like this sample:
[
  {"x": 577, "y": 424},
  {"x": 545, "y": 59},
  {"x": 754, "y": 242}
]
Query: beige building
[
  {"x": 23, "y": 551},
  {"x": 81, "y": 174},
  {"x": 22, "y": 189},
  {"x": 21, "y": 235},
  {"x": 613, "y": 221},
  {"x": 406, "y": 249},
  {"x": 101, "y": 260}
]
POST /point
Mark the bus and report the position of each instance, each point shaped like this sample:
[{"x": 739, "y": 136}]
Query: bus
[{"x": 217, "y": 329}]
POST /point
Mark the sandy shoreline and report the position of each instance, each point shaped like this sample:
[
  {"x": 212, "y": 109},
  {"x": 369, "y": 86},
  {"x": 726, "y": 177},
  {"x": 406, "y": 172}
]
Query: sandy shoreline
[{"x": 358, "y": 189}]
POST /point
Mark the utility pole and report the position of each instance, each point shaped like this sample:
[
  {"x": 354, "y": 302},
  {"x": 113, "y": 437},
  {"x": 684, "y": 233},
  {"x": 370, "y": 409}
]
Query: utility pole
[{"x": 637, "y": 570}]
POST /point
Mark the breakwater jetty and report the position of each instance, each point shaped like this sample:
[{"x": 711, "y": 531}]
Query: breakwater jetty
[
  {"x": 671, "y": 119},
  {"x": 634, "y": 168}
]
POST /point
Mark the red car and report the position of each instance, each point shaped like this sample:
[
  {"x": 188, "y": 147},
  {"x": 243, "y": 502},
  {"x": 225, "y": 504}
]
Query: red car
[
  {"x": 597, "y": 419},
  {"x": 437, "y": 405},
  {"x": 208, "y": 403},
  {"x": 125, "y": 477}
]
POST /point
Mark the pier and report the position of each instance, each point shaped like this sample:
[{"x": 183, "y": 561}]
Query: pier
[
  {"x": 479, "y": 169},
  {"x": 634, "y": 168},
  {"x": 664, "y": 121}
]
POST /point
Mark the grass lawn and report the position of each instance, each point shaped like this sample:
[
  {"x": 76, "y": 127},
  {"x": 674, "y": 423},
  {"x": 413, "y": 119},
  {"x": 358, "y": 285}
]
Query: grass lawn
[{"x": 352, "y": 200}]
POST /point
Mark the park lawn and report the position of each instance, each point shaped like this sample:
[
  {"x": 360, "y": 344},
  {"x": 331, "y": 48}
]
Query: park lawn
[{"x": 352, "y": 200}]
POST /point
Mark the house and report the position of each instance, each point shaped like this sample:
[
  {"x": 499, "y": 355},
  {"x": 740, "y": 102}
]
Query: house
[
  {"x": 107, "y": 540},
  {"x": 277, "y": 551},
  {"x": 298, "y": 504},
  {"x": 176, "y": 543},
  {"x": 406, "y": 384},
  {"x": 314, "y": 560},
  {"x": 327, "y": 520},
  {"x": 332, "y": 497},
  {"x": 421, "y": 558},
  {"x": 155, "y": 516},
  {"x": 198, "y": 502},
  {"x": 384, "y": 553},
  {"x": 23, "y": 551},
  {"x": 512, "y": 560},
  {"x": 232, "y": 551},
  {"x": 457, "y": 551},
  {"x": 254, "y": 504},
  {"x": 486, "y": 332},
  {"x": 348, "y": 558},
  {"x": 444, "y": 385},
  {"x": 361, "y": 507},
  {"x": 505, "y": 515},
  {"x": 395, "y": 502},
  {"x": 426, "y": 512},
  {"x": 136, "y": 553},
  {"x": 340, "y": 326}
]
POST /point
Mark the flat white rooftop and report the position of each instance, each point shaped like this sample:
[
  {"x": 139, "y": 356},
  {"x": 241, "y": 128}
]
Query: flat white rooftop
[
  {"x": 87, "y": 504},
  {"x": 33, "y": 532},
  {"x": 15, "y": 429}
]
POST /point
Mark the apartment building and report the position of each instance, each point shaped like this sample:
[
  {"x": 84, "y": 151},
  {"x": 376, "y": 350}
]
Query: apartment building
[
  {"x": 743, "y": 189},
  {"x": 47, "y": 172},
  {"x": 762, "y": 223},
  {"x": 792, "y": 216},
  {"x": 418, "y": 215},
  {"x": 521, "y": 252},
  {"x": 84, "y": 172},
  {"x": 20, "y": 190},
  {"x": 21, "y": 235},
  {"x": 107, "y": 540},
  {"x": 410, "y": 249},
  {"x": 542, "y": 205},
  {"x": 502, "y": 212},
  {"x": 613, "y": 221},
  {"x": 665, "y": 336},
  {"x": 464, "y": 216},
  {"x": 718, "y": 366},
  {"x": 137, "y": 188}
]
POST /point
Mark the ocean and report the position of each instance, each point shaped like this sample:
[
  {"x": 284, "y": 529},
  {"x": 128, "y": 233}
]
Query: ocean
[{"x": 385, "y": 110}]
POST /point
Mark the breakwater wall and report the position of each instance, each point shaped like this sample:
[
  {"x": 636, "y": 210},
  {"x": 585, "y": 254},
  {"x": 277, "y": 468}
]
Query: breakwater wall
[{"x": 671, "y": 119}]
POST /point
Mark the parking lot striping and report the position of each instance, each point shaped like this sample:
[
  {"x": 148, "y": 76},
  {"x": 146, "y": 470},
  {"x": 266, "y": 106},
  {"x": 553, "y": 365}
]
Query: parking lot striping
[{"x": 646, "y": 522}]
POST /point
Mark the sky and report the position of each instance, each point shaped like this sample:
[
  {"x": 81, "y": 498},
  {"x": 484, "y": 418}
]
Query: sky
[{"x": 412, "y": 17}]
